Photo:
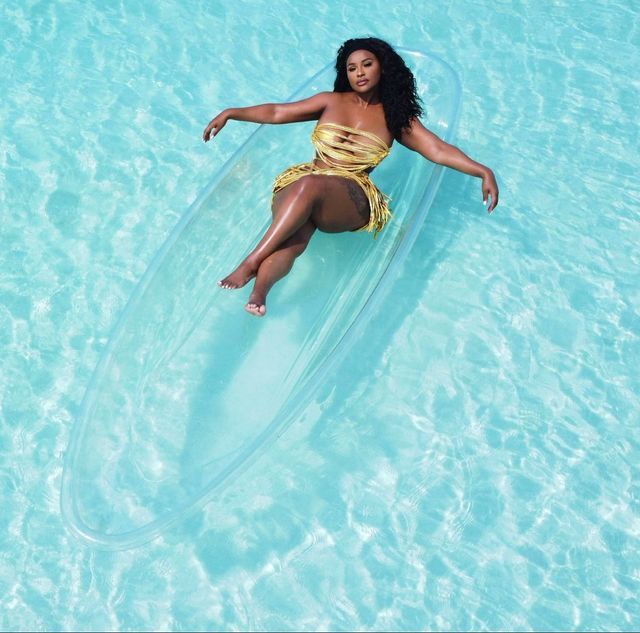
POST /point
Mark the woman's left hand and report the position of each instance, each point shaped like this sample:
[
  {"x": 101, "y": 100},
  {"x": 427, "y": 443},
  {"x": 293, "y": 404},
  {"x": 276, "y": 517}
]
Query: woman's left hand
[{"x": 490, "y": 188}]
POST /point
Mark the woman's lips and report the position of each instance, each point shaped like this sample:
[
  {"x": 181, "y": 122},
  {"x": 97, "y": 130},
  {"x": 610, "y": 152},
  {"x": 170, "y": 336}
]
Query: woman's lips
[{"x": 362, "y": 82}]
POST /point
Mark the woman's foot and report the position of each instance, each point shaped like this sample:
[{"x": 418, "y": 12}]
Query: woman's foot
[
  {"x": 256, "y": 305},
  {"x": 239, "y": 277}
]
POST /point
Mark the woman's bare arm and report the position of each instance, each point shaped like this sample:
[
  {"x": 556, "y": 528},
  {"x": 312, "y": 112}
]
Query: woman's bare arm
[
  {"x": 306, "y": 110},
  {"x": 421, "y": 140}
]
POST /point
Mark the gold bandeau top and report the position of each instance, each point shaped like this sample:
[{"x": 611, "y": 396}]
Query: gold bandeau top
[{"x": 347, "y": 148}]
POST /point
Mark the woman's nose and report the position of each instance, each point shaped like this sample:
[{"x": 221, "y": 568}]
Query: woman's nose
[{"x": 360, "y": 72}]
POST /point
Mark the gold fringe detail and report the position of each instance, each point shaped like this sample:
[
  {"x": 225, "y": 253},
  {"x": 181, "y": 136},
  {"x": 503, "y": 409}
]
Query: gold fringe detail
[
  {"x": 378, "y": 202},
  {"x": 349, "y": 153}
]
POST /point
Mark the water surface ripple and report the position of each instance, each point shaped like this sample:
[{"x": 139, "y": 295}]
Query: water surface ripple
[{"x": 474, "y": 463}]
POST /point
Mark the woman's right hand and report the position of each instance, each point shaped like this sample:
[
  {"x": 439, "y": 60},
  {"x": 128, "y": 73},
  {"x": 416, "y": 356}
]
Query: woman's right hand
[{"x": 215, "y": 125}]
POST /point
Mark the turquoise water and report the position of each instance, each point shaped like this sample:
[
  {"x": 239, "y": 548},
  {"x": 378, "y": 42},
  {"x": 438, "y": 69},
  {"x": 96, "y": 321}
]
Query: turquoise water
[
  {"x": 166, "y": 421},
  {"x": 472, "y": 464}
]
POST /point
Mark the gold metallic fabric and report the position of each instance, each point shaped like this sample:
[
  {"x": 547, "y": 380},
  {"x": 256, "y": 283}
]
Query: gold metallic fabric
[{"x": 348, "y": 152}]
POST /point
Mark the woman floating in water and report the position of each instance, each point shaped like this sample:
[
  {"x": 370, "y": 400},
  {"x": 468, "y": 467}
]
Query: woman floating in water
[{"x": 373, "y": 103}]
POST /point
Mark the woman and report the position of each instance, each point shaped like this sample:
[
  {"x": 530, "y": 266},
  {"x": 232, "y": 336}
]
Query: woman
[{"x": 374, "y": 102}]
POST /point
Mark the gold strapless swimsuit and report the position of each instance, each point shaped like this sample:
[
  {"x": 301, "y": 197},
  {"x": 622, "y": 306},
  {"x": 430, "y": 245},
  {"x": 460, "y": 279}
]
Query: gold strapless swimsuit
[{"x": 348, "y": 152}]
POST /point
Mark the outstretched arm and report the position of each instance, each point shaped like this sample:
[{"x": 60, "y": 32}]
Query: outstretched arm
[
  {"x": 305, "y": 110},
  {"x": 426, "y": 143}
]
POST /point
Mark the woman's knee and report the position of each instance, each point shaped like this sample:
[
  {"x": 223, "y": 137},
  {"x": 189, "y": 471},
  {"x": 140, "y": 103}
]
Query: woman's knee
[
  {"x": 310, "y": 185},
  {"x": 304, "y": 193}
]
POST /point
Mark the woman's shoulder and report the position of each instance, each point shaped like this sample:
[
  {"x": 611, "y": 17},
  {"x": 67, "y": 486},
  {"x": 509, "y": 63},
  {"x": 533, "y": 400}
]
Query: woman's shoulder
[
  {"x": 338, "y": 101},
  {"x": 332, "y": 103}
]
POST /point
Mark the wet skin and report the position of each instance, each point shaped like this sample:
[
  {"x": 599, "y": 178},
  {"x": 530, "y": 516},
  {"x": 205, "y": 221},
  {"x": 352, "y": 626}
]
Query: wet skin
[
  {"x": 331, "y": 203},
  {"x": 328, "y": 203}
]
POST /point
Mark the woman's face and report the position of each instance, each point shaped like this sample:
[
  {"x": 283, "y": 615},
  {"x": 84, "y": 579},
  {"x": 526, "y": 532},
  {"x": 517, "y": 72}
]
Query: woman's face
[{"x": 363, "y": 71}]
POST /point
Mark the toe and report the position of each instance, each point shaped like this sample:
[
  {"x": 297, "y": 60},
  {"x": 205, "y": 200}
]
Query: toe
[{"x": 255, "y": 309}]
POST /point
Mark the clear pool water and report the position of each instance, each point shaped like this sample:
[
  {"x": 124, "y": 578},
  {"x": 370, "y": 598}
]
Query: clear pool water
[{"x": 473, "y": 463}]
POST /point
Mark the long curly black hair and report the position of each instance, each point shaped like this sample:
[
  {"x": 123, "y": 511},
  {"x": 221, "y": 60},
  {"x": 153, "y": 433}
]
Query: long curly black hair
[{"x": 397, "y": 87}]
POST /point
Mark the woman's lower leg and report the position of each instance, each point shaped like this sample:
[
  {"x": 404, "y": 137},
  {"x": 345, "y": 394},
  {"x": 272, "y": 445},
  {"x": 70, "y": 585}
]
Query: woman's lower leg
[
  {"x": 292, "y": 214},
  {"x": 276, "y": 266}
]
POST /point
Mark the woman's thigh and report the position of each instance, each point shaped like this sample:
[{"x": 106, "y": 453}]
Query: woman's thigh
[
  {"x": 343, "y": 206},
  {"x": 335, "y": 204}
]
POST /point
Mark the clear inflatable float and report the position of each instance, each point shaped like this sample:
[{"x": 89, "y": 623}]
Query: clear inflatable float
[{"x": 190, "y": 387}]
